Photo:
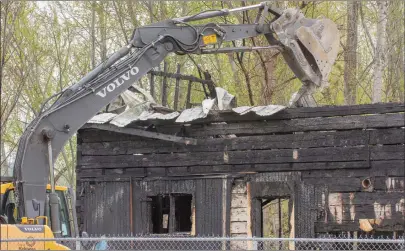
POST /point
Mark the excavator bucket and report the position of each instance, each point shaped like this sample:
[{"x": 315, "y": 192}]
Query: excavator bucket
[{"x": 310, "y": 45}]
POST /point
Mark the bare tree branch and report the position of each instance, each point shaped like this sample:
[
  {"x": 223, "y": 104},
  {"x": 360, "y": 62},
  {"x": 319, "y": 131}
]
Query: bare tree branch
[{"x": 363, "y": 24}]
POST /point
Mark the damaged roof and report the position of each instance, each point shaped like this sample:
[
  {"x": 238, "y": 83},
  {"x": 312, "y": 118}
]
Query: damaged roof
[{"x": 147, "y": 112}]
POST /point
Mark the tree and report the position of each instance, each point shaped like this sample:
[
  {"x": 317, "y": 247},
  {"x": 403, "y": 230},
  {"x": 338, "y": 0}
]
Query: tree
[
  {"x": 350, "y": 57},
  {"x": 394, "y": 91},
  {"x": 13, "y": 17},
  {"x": 380, "y": 57}
]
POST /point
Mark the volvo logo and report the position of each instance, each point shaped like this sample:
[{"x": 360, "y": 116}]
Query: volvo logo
[
  {"x": 117, "y": 82},
  {"x": 32, "y": 229}
]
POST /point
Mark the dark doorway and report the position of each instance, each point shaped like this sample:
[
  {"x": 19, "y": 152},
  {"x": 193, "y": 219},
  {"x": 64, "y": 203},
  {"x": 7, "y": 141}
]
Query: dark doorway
[
  {"x": 275, "y": 217},
  {"x": 183, "y": 213}
]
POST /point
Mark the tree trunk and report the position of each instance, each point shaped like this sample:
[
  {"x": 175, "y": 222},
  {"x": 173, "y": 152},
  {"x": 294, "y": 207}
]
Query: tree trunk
[
  {"x": 395, "y": 53},
  {"x": 380, "y": 51},
  {"x": 248, "y": 83},
  {"x": 3, "y": 161},
  {"x": 93, "y": 37},
  {"x": 269, "y": 82},
  {"x": 234, "y": 69},
  {"x": 103, "y": 30},
  {"x": 350, "y": 54}
]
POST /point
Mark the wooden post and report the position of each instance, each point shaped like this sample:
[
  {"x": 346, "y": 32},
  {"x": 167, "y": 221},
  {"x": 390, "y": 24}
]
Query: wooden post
[
  {"x": 224, "y": 211},
  {"x": 152, "y": 85},
  {"x": 250, "y": 244},
  {"x": 280, "y": 231},
  {"x": 172, "y": 215},
  {"x": 177, "y": 89},
  {"x": 164, "y": 86},
  {"x": 193, "y": 215},
  {"x": 188, "y": 105},
  {"x": 210, "y": 84},
  {"x": 355, "y": 236}
]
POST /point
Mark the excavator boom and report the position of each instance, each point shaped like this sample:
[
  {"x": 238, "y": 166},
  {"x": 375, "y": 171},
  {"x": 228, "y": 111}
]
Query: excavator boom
[{"x": 308, "y": 46}]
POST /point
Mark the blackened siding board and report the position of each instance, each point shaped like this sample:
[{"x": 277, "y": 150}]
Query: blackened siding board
[
  {"x": 208, "y": 198},
  {"x": 116, "y": 144},
  {"x": 106, "y": 208},
  {"x": 306, "y": 210}
]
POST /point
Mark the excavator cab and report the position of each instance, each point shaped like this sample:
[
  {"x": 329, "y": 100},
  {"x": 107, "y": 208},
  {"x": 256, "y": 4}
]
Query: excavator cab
[{"x": 8, "y": 208}]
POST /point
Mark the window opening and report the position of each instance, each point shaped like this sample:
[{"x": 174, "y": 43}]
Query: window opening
[
  {"x": 10, "y": 207},
  {"x": 165, "y": 221}
]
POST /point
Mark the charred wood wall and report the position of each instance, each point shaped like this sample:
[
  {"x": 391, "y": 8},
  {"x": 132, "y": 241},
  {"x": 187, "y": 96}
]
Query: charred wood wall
[{"x": 341, "y": 164}]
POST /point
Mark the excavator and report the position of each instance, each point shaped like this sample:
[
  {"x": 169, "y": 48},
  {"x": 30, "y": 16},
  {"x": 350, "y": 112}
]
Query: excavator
[{"x": 309, "y": 47}]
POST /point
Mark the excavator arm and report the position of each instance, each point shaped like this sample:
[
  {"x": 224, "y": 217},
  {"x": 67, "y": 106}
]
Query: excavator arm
[{"x": 308, "y": 46}]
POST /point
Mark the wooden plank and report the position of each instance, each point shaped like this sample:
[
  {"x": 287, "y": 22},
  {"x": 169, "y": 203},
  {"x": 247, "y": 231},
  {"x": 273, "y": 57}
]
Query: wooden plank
[
  {"x": 210, "y": 85},
  {"x": 239, "y": 214},
  {"x": 164, "y": 85},
  {"x": 386, "y": 225},
  {"x": 391, "y": 152},
  {"x": 377, "y": 169},
  {"x": 227, "y": 212},
  {"x": 114, "y": 171},
  {"x": 177, "y": 90},
  {"x": 273, "y": 189},
  {"x": 188, "y": 98},
  {"x": 352, "y": 184},
  {"x": 155, "y": 171},
  {"x": 172, "y": 216},
  {"x": 380, "y": 136},
  {"x": 389, "y": 184},
  {"x": 137, "y": 132},
  {"x": 333, "y": 154},
  {"x": 250, "y": 214},
  {"x": 294, "y": 125},
  {"x": 238, "y": 200},
  {"x": 152, "y": 85},
  {"x": 239, "y": 187},
  {"x": 288, "y": 141},
  {"x": 366, "y": 198},
  {"x": 82, "y": 173},
  {"x": 177, "y": 171},
  {"x": 344, "y": 184},
  {"x": 238, "y": 227},
  {"x": 135, "y": 172},
  {"x": 193, "y": 222},
  {"x": 95, "y": 135},
  {"x": 245, "y": 169},
  {"x": 206, "y": 171},
  {"x": 304, "y": 112}
]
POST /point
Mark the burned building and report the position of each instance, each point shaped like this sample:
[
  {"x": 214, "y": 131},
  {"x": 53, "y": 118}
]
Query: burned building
[{"x": 250, "y": 171}]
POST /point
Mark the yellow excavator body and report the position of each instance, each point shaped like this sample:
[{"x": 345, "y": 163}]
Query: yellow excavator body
[{"x": 30, "y": 233}]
